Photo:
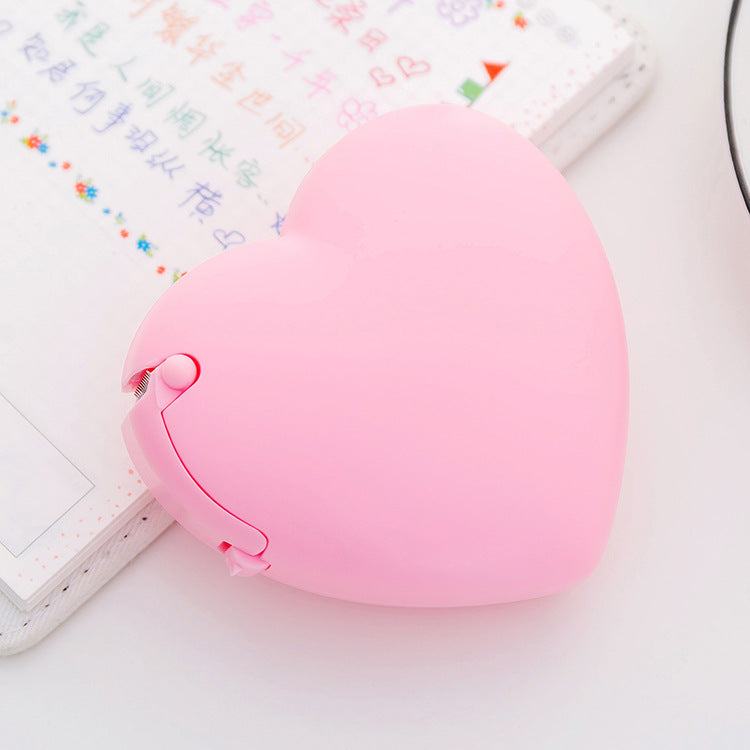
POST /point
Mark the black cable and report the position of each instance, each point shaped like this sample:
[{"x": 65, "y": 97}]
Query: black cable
[{"x": 734, "y": 13}]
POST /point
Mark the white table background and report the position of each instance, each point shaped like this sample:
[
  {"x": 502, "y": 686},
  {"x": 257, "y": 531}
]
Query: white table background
[{"x": 653, "y": 650}]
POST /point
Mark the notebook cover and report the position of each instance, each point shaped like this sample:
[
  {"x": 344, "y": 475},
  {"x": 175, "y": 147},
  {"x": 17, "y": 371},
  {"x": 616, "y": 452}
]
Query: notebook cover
[
  {"x": 20, "y": 630},
  {"x": 591, "y": 122}
]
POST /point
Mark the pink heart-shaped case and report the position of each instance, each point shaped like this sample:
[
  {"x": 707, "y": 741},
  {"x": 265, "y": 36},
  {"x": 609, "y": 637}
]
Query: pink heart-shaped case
[{"x": 417, "y": 395}]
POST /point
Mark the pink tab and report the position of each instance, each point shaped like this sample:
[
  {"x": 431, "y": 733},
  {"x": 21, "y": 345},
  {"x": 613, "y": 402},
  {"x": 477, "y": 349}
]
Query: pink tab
[{"x": 242, "y": 564}]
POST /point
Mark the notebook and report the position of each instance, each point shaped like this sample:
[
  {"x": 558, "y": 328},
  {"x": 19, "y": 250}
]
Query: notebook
[{"x": 141, "y": 137}]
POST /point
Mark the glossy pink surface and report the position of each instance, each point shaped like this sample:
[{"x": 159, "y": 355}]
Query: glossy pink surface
[{"x": 418, "y": 394}]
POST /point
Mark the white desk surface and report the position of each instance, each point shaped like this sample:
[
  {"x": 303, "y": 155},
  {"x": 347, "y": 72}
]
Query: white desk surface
[{"x": 652, "y": 651}]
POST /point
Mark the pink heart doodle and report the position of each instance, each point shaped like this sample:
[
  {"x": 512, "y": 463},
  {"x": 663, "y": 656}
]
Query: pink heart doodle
[
  {"x": 382, "y": 78},
  {"x": 410, "y": 67}
]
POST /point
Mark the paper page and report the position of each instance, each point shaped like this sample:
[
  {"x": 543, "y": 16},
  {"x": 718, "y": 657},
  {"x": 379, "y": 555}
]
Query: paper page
[{"x": 140, "y": 137}]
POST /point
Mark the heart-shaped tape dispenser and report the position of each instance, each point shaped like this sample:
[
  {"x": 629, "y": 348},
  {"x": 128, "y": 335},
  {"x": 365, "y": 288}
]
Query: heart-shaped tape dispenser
[{"x": 417, "y": 395}]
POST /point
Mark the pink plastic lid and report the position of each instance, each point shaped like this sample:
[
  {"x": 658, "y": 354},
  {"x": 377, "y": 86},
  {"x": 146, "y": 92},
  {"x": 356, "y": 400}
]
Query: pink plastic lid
[{"x": 417, "y": 395}]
